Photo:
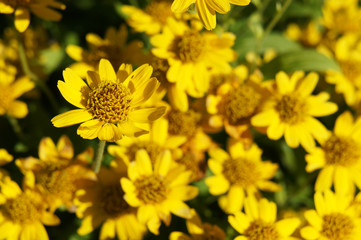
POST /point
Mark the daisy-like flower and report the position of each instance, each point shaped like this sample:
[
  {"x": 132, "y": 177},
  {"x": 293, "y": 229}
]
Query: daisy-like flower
[
  {"x": 339, "y": 156},
  {"x": 199, "y": 230},
  {"x": 11, "y": 89},
  {"x": 238, "y": 173},
  {"x": 56, "y": 171},
  {"x": 291, "y": 110},
  {"x": 260, "y": 222},
  {"x": 101, "y": 202},
  {"x": 207, "y": 9},
  {"x": 191, "y": 54},
  {"x": 333, "y": 219},
  {"x": 110, "y": 103},
  {"x": 152, "y": 19},
  {"x": 158, "y": 190},
  {"x": 22, "y": 9},
  {"x": 23, "y": 214},
  {"x": 113, "y": 47}
]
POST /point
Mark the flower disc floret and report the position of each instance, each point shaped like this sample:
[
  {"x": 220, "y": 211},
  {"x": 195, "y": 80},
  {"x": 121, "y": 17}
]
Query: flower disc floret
[
  {"x": 112, "y": 201},
  {"x": 21, "y": 210},
  {"x": 337, "y": 226},
  {"x": 261, "y": 230},
  {"x": 290, "y": 108},
  {"x": 183, "y": 123},
  {"x": 151, "y": 189},
  {"x": 160, "y": 10},
  {"x": 341, "y": 151},
  {"x": 242, "y": 172},
  {"x": 189, "y": 47}
]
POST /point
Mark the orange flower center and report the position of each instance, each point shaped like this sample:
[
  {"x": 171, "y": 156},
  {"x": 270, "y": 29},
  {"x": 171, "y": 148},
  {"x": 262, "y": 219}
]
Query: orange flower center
[
  {"x": 337, "y": 226},
  {"x": 241, "y": 172},
  {"x": 341, "y": 151},
  {"x": 290, "y": 109},
  {"x": 21, "y": 209},
  {"x": 183, "y": 123},
  {"x": 189, "y": 47},
  {"x": 160, "y": 10},
  {"x": 151, "y": 189},
  {"x": 261, "y": 230},
  {"x": 112, "y": 201},
  {"x": 109, "y": 102}
]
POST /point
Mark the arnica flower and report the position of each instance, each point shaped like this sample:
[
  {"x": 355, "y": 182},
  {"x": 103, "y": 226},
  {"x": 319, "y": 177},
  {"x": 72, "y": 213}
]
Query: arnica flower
[
  {"x": 11, "y": 89},
  {"x": 348, "y": 81},
  {"x": 158, "y": 190},
  {"x": 101, "y": 203},
  {"x": 292, "y": 108},
  {"x": 260, "y": 222},
  {"x": 192, "y": 54},
  {"x": 110, "y": 103},
  {"x": 309, "y": 35},
  {"x": 23, "y": 214},
  {"x": 199, "y": 230},
  {"x": 333, "y": 219},
  {"x": 113, "y": 47},
  {"x": 338, "y": 157},
  {"x": 207, "y": 9},
  {"x": 152, "y": 19},
  {"x": 56, "y": 171},
  {"x": 238, "y": 173},
  {"x": 22, "y": 9}
]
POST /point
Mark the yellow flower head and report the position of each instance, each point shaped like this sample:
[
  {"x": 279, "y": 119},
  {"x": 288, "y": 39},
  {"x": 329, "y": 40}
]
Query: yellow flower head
[
  {"x": 339, "y": 156},
  {"x": 22, "y": 9},
  {"x": 110, "y": 103},
  {"x": 192, "y": 54},
  {"x": 333, "y": 219},
  {"x": 308, "y": 36},
  {"x": 260, "y": 222},
  {"x": 23, "y": 213},
  {"x": 291, "y": 110},
  {"x": 207, "y": 9},
  {"x": 113, "y": 47},
  {"x": 242, "y": 171},
  {"x": 199, "y": 230},
  {"x": 158, "y": 190},
  {"x": 101, "y": 202}
]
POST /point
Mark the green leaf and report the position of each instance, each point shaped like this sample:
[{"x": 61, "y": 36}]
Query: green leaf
[{"x": 304, "y": 60}]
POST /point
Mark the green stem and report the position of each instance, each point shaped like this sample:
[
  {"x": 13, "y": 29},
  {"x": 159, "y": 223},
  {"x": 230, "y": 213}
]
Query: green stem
[
  {"x": 33, "y": 77},
  {"x": 16, "y": 127},
  {"x": 98, "y": 156}
]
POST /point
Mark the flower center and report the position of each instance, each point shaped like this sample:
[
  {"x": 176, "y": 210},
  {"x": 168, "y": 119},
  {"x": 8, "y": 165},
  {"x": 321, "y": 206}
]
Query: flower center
[
  {"x": 290, "y": 109},
  {"x": 160, "y": 10},
  {"x": 218, "y": 79},
  {"x": 112, "y": 201},
  {"x": 351, "y": 70},
  {"x": 260, "y": 230},
  {"x": 160, "y": 69},
  {"x": 240, "y": 171},
  {"x": 151, "y": 189},
  {"x": 337, "y": 226},
  {"x": 341, "y": 151},
  {"x": 109, "y": 102},
  {"x": 189, "y": 47},
  {"x": 211, "y": 232},
  {"x": 183, "y": 123},
  {"x": 152, "y": 149},
  {"x": 241, "y": 103},
  {"x": 191, "y": 163},
  {"x": 21, "y": 209}
]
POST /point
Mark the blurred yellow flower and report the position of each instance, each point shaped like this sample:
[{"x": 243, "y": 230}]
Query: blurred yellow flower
[
  {"x": 309, "y": 35},
  {"x": 23, "y": 213},
  {"x": 260, "y": 222},
  {"x": 339, "y": 156},
  {"x": 158, "y": 190},
  {"x": 207, "y": 9},
  {"x": 110, "y": 103},
  {"x": 5, "y": 157},
  {"x": 291, "y": 110},
  {"x": 333, "y": 219},
  {"x": 238, "y": 173},
  {"x": 22, "y": 9}
]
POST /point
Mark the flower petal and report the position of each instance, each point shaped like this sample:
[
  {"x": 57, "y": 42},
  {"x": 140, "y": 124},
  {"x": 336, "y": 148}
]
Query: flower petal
[{"x": 70, "y": 118}]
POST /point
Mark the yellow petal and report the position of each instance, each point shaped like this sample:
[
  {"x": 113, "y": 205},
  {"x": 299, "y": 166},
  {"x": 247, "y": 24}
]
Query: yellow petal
[
  {"x": 308, "y": 84},
  {"x": 89, "y": 129},
  {"x": 207, "y": 16},
  {"x": 180, "y": 6},
  {"x": 22, "y": 19},
  {"x": 144, "y": 164},
  {"x": 130, "y": 130},
  {"x": 44, "y": 12},
  {"x": 309, "y": 232},
  {"x": 145, "y": 115},
  {"x": 314, "y": 219},
  {"x": 107, "y": 230},
  {"x": 70, "y": 118},
  {"x": 75, "y": 52},
  {"x": 106, "y": 71},
  {"x": 287, "y": 226},
  {"x": 240, "y": 2},
  {"x": 163, "y": 162},
  {"x": 221, "y": 6},
  {"x": 145, "y": 91},
  {"x": 109, "y": 132},
  {"x": 6, "y": 9},
  {"x": 324, "y": 179},
  {"x": 18, "y": 109},
  {"x": 217, "y": 185},
  {"x": 233, "y": 201},
  {"x": 21, "y": 86},
  {"x": 73, "y": 96}
]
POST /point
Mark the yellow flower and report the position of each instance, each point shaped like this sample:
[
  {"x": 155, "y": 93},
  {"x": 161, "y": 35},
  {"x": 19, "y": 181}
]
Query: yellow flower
[
  {"x": 113, "y": 47},
  {"x": 291, "y": 110},
  {"x": 260, "y": 222},
  {"x": 101, "y": 202},
  {"x": 22, "y": 9},
  {"x": 240, "y": 172},
  {"x": 339, "y": 156},
  {"x": 56, "y": 172},
  {"x": 192, "y": 54},
  {"x": 199, "y": 230},
  {"x": 11, "y": 89},
  {"x": 308, "y": 36},
  {"x": 23, "y": 213},
  {"x": 110, "y": 103},
  {"x": 152, "y": 19},
  {"x": 5, "y": 157},
  {"x": 158, "y": 190},
  {"x": 333, "y": 218},
  {"x": 207, "y": 9}
]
